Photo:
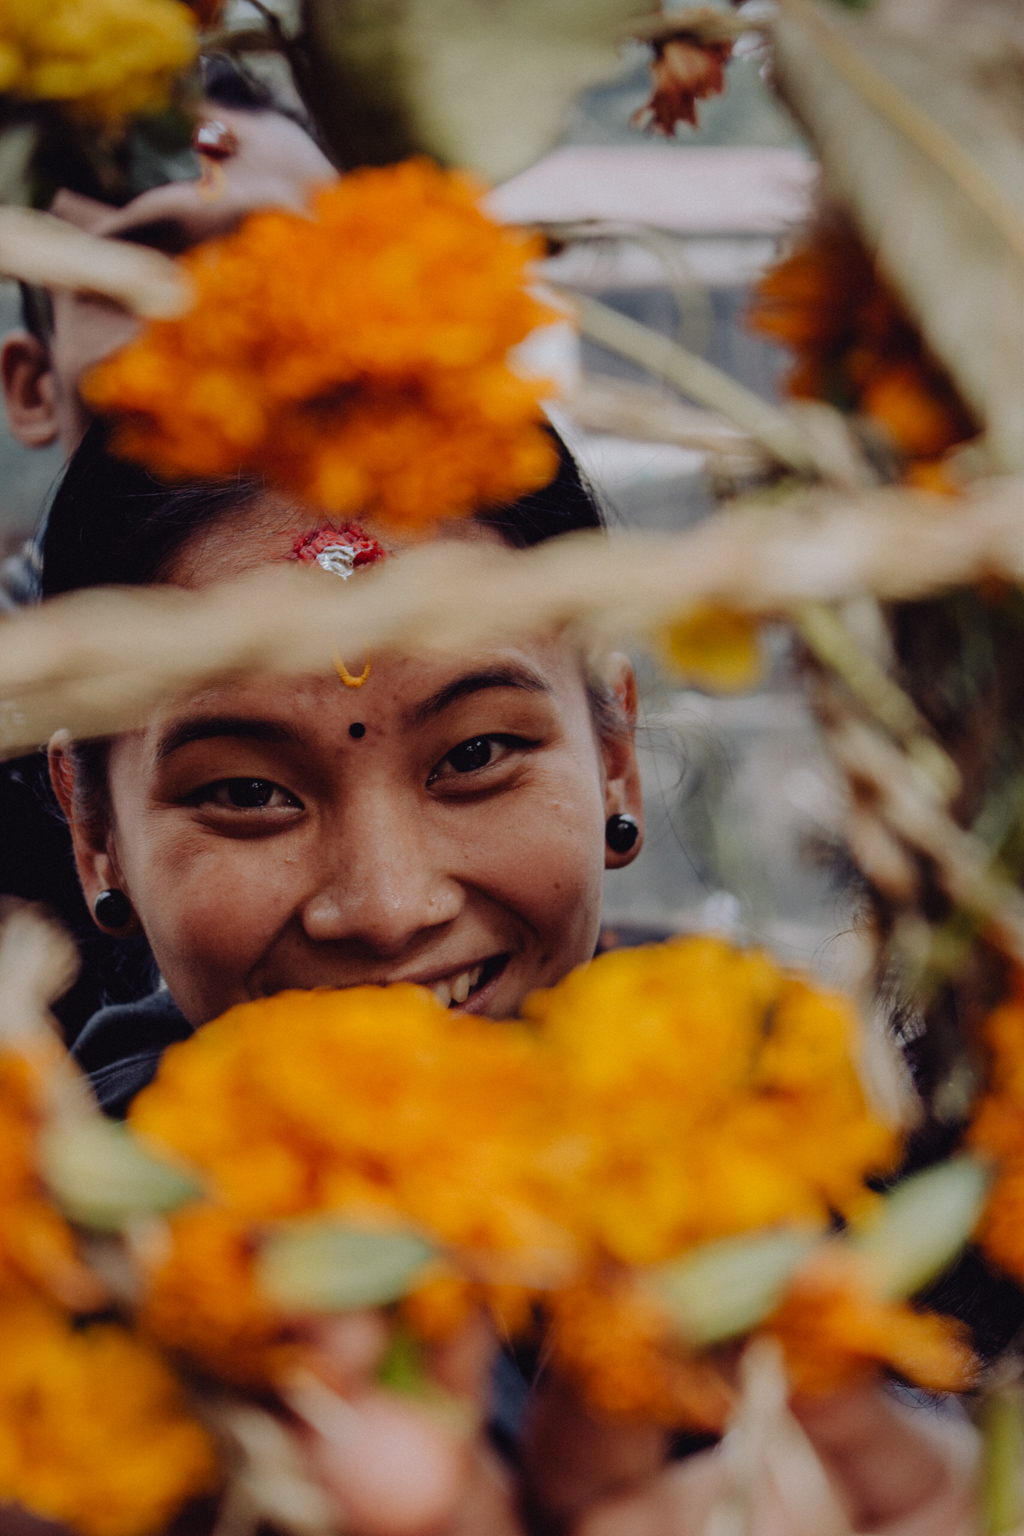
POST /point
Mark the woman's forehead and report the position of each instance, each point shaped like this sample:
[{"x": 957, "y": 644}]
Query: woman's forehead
[{"x": 271, "y": 530}]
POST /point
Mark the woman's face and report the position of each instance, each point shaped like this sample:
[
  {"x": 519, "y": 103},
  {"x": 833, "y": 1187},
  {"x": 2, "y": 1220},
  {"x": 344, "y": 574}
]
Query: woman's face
[{"x": 443, "y": 824}]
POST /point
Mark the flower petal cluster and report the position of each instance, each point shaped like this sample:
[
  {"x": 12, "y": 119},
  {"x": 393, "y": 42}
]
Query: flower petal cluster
[
  {"x": 620, "y": 1349},
  {"x": 376, "y": 1102},
  {"x": 109, "y": 58},
  {"x": 654, "y": 1099},
  {"x": 716, "y": 648},
  {"x": 715, "y": 1095},
  {"x": 855, "y": 347},
  {"x": 998, "y": 1132},
  {"x": 357, "y": 358},
  {"x": 37, "y": 1247},
  {"x": 202, "y": 1299},
  {"x": 93, "y": 1428},
  {"x": 834, "y": 1328}
]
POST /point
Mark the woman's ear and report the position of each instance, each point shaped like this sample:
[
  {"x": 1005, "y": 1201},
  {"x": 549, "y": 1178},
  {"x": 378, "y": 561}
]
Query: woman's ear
[
  {"x": 26, "y": 374},
  {"x": 622, "y": 792},
  {"x": 94, "y": 855}
]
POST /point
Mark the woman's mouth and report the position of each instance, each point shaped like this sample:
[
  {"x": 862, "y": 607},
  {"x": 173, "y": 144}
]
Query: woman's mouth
[{"x": 463, "y": 987}]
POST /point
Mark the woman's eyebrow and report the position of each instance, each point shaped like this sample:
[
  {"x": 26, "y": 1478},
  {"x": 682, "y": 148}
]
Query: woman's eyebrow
[
  {"x": 512, "y": 675},
  {"x": 209, "y": 727}
]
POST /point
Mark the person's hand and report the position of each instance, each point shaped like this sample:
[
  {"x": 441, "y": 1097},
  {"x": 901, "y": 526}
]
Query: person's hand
[
  {"x": 396, "y": 1466},
  {"x": 894, "y": 1471}
]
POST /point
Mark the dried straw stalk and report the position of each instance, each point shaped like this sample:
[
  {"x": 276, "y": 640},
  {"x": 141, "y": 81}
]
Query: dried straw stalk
[{"x": 97, "y": 662}]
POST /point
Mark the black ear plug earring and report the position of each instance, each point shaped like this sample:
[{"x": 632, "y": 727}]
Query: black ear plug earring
[
  {"x": 113, "y": 910},
  {"x": 620, "y": 833}
]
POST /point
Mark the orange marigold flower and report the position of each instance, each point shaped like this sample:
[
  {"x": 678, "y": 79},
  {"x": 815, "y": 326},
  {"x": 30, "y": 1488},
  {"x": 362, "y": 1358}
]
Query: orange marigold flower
[
  {"x": 835, "y": 1331},
  {"x": 202, "y": 1301},
  {"x": 357, "y": 358},
  {"x": 619, "y": 1349},
  {"x": 373, "y": 1100},
  {"x": 37, "y": 1247},
  {"x": 93, "y": 1427},
  {"x": 998, "y": 1132},
  {"x": 716, "y": 1095},
  {"x": 917, "y": 406},
  {"x": 655, "y": 1098},
  {"x": 854, "y": 345}
]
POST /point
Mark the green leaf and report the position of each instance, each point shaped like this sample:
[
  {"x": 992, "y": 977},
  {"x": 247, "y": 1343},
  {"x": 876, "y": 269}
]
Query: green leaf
[
  {"x": 325, "y": 1266},
  {"x": 480, "y": 83},
  {"x": 402, "y": 1369},
  {"x": 922, "y": 1225},
  {"x": 722, "y": 1289},
  {"x": 102, "y": 1177}
]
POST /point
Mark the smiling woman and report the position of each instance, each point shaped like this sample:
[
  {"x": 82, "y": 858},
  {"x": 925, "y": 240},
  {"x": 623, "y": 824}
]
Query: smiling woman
[{"x": 262, "y": 837}]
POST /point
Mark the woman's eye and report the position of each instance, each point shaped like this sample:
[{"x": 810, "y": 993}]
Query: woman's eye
[
  {"x": 470, "y": 754},
  {"x": 478, "y": 752},
  {"x": 249, "y": 795}
]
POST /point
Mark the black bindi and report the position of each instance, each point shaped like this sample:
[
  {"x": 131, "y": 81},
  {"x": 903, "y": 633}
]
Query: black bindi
[{"x": 357, "y": 729}]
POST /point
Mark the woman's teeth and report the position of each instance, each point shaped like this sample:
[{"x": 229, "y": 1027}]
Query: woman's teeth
[{"x": 457, "y": 988}]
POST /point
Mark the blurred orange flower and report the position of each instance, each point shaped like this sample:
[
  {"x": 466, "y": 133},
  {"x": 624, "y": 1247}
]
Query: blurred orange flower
[
  {"x": 357, "y": 357},
  {"x": 656, "y": 1098},
  {"x": 998, "y": 1132},
  {"x": 834, "y": 1330},
  {"x": 854, "y": 344},
  {"x": 202, "y": 1301},
  {"x": 37, "y": 1247},
  {"x": 93, "y": 1427},
  {"x": 620, "y": 1349},
  {"x": 715, "y": 648},
  {"x": 712, "y": 1093}
]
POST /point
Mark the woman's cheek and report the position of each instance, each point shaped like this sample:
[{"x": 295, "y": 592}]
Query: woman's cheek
[
  {"x": 546, "y": 856},
  {"x": 211, "y": 907}
]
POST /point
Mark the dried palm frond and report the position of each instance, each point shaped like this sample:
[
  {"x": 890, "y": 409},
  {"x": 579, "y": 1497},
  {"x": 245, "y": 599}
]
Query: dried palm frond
[{"x": 933, "y": 177}]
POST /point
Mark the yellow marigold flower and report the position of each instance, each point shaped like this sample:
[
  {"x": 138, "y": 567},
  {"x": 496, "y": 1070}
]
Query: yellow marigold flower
[
  {"x": 357, "y": 358},
  {"x": 37, "y": 1247},
  {"x": 110, "y": 58},
  {"x": 715, "y": 648},
  {"x": 717, "y": 1095},
  {"x": 835, "y": 1331},
  {"x": 93, "y": 1429}
]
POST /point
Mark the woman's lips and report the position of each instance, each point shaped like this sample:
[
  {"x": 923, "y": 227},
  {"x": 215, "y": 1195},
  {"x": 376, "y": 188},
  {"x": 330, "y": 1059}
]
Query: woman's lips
[
  {"x": 492, "y": 971},
  {"x": 465, "y": 991}
]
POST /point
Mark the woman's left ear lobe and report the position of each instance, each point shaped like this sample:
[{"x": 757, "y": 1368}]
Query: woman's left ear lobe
[
  {"x": 624, "y": 827},
  {"x": 623, "y": 839}
]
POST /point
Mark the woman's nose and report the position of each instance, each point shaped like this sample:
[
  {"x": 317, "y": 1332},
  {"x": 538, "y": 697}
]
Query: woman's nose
[{"x": 382, "y": 884}]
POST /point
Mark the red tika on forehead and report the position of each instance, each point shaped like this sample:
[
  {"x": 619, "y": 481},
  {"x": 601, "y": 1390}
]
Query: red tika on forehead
[{"x": 338, "y": 550}]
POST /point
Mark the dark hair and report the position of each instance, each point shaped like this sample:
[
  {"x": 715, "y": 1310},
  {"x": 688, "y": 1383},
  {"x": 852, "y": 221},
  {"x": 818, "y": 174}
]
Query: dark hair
[
  {"x": 114, "y": 524},
  {"x": 225, "y": 81}
]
